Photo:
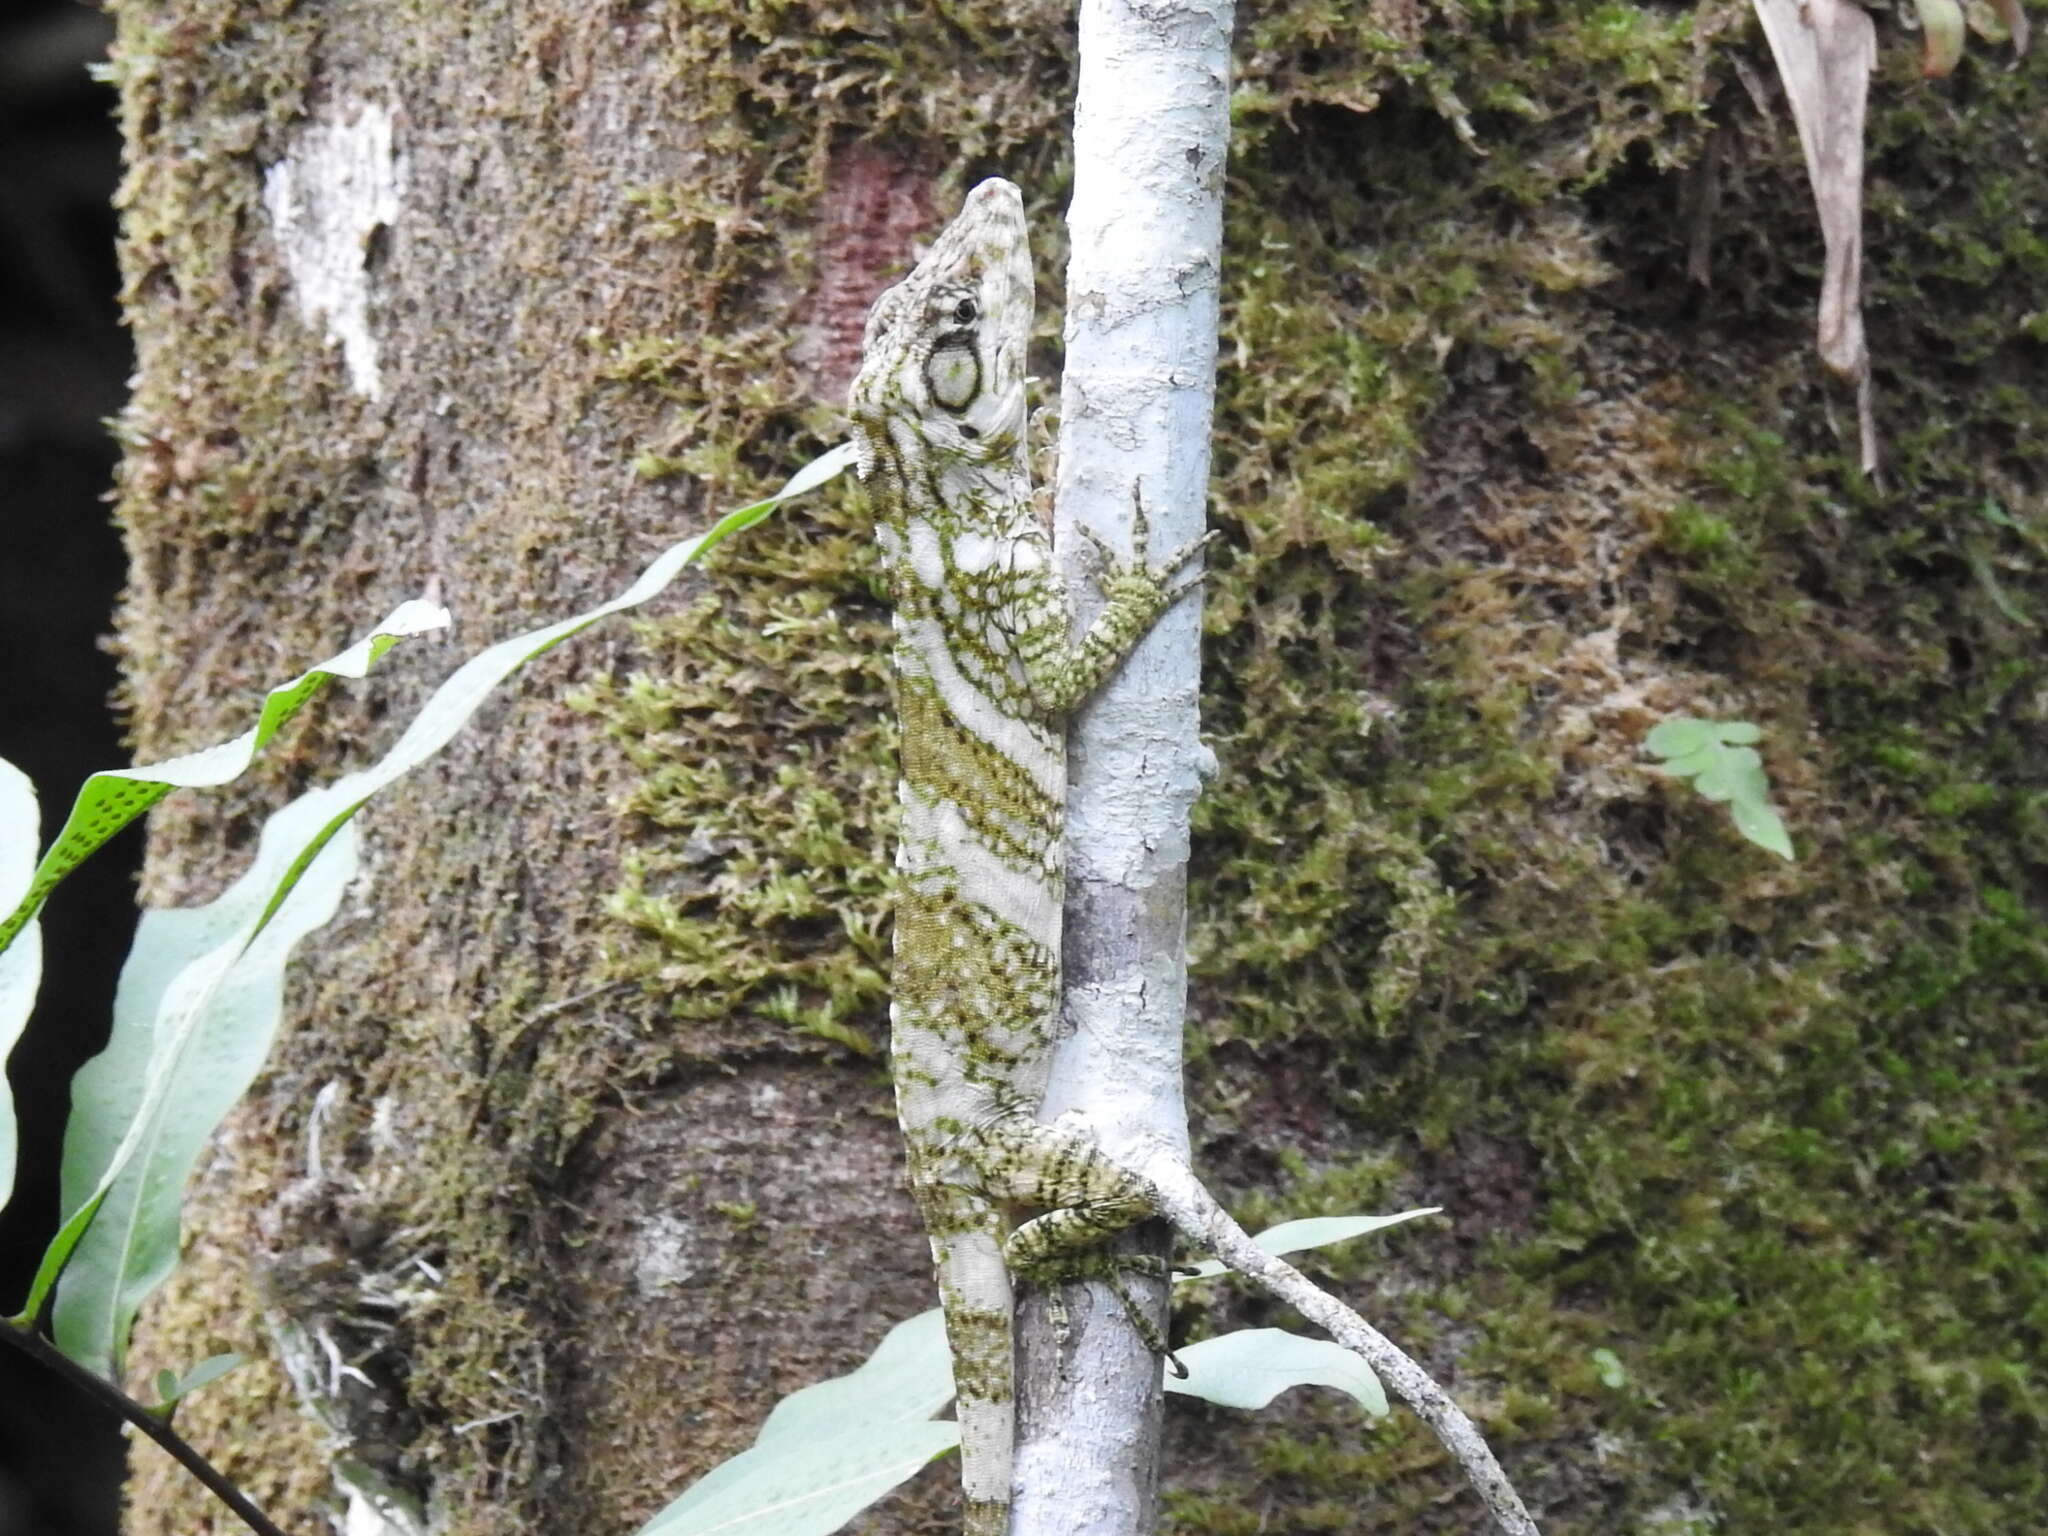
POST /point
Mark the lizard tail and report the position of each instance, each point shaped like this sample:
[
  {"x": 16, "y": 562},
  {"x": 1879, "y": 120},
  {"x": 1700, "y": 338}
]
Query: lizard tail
[
  {"x": 974, "y": 1295},
  {"x": 1183, "y": 1200}
]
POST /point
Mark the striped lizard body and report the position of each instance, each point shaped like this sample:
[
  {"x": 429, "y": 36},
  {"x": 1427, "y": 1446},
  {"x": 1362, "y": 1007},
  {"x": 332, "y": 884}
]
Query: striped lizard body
[{"x": 985, "y": 674}]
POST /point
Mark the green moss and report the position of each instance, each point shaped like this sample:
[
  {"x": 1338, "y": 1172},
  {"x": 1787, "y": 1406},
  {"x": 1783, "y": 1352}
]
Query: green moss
[
  {"x": 759, "y": 886},
  {"x": 1766, "y": 1110},
  {"x": 759, "y": 889},
  {"x": 1745, "y": 1160},
  {"x": 205, "y": 104}
]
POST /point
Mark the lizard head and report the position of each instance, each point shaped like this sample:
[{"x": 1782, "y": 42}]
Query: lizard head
[{"x": 944, "y": 353}]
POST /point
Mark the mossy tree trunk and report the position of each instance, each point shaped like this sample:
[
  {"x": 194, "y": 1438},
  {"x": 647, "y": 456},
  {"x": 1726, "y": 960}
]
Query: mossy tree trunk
[
  {"x": 550, "y": 1191},
  {"x": 1742, "y": 1160}
]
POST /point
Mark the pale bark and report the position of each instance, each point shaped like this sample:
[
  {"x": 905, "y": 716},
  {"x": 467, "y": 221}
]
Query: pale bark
[{"x": 1151, "y": 130}]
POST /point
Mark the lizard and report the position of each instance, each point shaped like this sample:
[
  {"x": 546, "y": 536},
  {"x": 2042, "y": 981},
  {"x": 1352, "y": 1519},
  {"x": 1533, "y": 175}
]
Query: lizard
[{"x": 986, "y": 673}]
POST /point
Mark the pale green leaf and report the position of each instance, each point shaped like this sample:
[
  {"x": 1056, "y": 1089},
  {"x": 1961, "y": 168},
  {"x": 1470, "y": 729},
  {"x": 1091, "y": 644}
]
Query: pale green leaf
[
  {"x": 1681, "y": 736},
  {"x": 170, "y": 1386},
  {"x": 21, "y": 964},
  {"x": 1736, "y": 773},
  {"x": 109, "y": 800},
  {"x": 199, "y": 1018},
  {"x": 830, "y": 1450},
  {"x": 1612, "y": 1372},
  {"x": 1313, "y": 1232},
  {"x": 194, "y": 1016},
  {"x": 1251, "y": 1367},
  {"x": 804, "y": 1488},
  {"x": 1755, "y": 820},
  {"x": 908, "y": 1377},
  {"x": 1717, "y": 757}
]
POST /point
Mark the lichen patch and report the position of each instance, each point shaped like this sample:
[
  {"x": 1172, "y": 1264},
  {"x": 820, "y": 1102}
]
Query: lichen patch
[{"x": 342, "y": 181}]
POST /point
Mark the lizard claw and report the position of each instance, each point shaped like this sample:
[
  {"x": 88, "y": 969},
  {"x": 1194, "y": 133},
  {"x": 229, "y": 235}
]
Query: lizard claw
[
  {"x": 1141, "y": 540},
  {"x": 1189, "y": 550},
  {"x": 1110, "y": 559},
  {"x": 1180, "y": 557}
]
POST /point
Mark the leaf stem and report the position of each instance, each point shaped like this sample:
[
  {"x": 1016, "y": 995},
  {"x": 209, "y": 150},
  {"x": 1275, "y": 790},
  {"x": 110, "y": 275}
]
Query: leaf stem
[{"x": 155, "y": 1425}]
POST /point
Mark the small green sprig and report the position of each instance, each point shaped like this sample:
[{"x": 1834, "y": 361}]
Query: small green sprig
[{"x": 1718, "y": 757}]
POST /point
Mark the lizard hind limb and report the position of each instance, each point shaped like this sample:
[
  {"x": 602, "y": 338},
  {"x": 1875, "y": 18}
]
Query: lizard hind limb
[{"x": 1091, "y": 1196}]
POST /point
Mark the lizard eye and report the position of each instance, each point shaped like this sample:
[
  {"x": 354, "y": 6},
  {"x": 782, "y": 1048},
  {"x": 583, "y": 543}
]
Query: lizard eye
[
  {"x": 953, "y": 375},
  {"x": 965, "y": 311}
]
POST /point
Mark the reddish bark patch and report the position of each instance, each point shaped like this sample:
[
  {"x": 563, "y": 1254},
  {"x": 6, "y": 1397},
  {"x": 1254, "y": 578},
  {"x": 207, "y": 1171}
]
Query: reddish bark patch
[{"x": 875, "y": 206}]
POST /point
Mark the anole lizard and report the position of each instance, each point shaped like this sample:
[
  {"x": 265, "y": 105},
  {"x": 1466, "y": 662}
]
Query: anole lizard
[{"x": 986, "y": 674}]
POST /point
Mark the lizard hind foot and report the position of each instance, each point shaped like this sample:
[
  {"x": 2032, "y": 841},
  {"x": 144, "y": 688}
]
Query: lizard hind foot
[{"x": 1052, "y": 1272}]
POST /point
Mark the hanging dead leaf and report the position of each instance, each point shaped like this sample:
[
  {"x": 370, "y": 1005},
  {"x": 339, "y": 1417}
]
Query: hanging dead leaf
[
  {"x": 1941, "y": 36},
  {"x": 2012, "y": 15},
  {"x": 1825, "y": 50}
]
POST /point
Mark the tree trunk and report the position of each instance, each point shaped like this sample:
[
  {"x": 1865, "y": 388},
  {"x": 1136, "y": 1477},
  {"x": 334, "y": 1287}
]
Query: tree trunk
[
  {"x": 576, "y": 1153},
  {"x": 542, "y": 1203}
]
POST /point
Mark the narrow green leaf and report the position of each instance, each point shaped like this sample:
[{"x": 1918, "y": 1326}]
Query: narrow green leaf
[
  {"x": 108, "y": 801},
  {"x": 1314, "y": 1232},
  {"x": 170, "y": 1386},
  {"x": 1987, "y": 578},
  {"x": 199, "y": 1019},
  {"x": 1998, "y": 517},
  {"x": 21, "y": 964},
  {"x": 1251, "y": 1367},
  {"x": 54, "y": 1259},
  {"x": 830, "y": 1450}
]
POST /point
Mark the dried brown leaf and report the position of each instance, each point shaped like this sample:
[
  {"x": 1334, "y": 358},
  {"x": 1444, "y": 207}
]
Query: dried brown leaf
[
  {"x": 1941, "y": 36},
  {"x": 2013, "y": 14},
  {"x": 1825, "y": 50}
]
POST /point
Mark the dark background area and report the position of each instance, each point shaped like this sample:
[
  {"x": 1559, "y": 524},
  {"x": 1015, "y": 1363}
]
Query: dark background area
[{"x": 63, "y": 363}]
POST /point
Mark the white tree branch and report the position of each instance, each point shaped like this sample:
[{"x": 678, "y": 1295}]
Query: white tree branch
[{"x": 1151, "y": 127}]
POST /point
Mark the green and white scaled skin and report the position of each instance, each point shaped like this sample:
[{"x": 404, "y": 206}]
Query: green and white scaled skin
[{"x": 986, "y": 672}]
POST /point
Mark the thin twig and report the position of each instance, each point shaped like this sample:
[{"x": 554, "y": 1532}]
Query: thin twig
[
  {"x": 1183, "y": 1200},
  {"x": 154, "y": 1425}
]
